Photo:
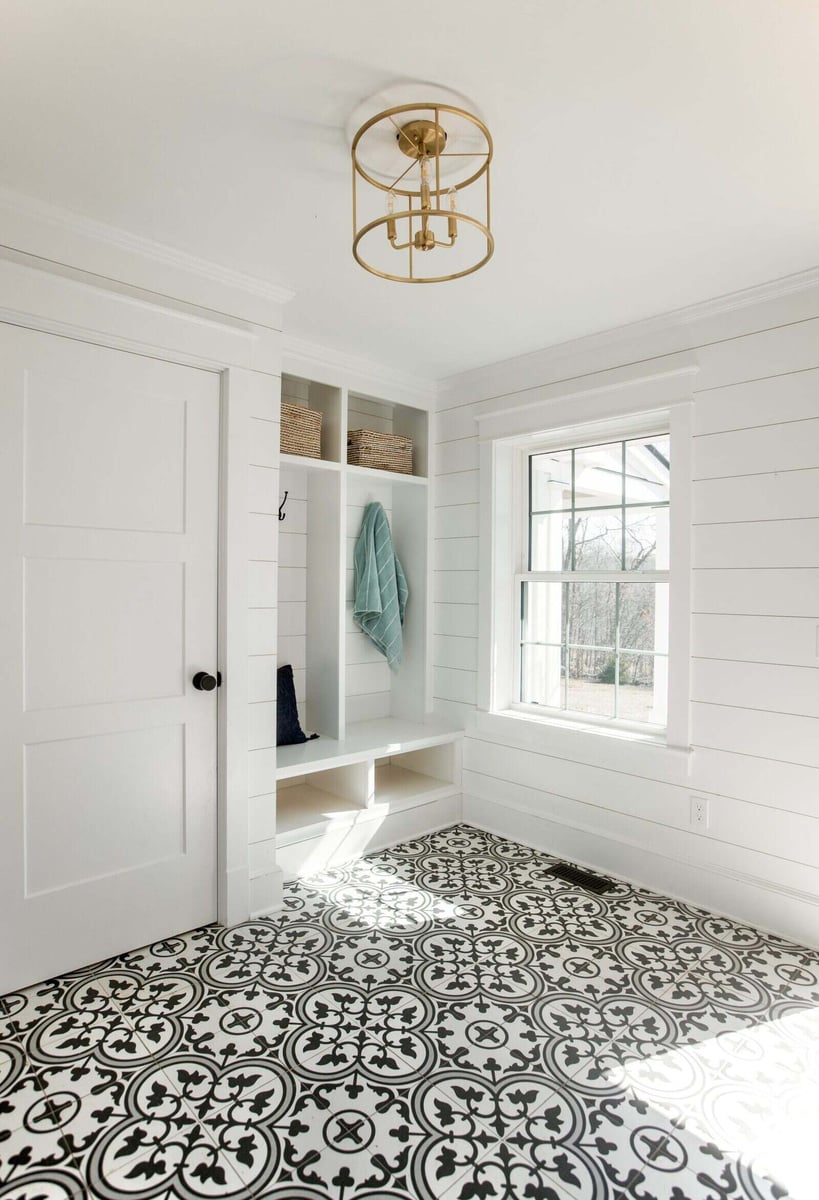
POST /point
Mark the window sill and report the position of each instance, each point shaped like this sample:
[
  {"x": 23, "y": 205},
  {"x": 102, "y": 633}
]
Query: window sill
[{"x": 532, "y": 723}]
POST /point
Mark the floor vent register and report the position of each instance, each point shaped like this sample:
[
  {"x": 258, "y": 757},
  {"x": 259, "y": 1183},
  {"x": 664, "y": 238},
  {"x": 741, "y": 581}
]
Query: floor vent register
[{"x": 581, "y": 878}]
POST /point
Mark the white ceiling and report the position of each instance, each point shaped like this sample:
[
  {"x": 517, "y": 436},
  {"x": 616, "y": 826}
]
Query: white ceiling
[{"x": 649, "y": 153}]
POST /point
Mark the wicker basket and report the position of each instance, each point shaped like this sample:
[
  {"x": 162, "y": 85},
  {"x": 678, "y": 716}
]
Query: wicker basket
[
  {"x": 301, "y": 430},
  {"x": 383, "y": 451}
]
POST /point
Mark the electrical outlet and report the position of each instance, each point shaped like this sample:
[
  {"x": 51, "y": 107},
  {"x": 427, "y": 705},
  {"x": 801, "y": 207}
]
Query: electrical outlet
[{"x": 699, "y": 812}]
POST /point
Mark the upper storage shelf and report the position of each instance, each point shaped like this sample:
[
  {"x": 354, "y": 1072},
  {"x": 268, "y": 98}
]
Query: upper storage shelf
[
  {"x": 380, "y": 416},
  {"x": 342, "y": 410},
  {"x": 329, "y": 402}
]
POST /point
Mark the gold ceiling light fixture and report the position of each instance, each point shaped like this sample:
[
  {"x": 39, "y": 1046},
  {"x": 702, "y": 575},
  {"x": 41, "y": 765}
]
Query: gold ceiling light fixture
[{"x": 426, "y": 220}]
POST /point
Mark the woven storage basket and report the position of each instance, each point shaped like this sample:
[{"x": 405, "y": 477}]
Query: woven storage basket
[
  {"x": 384, "y": 451},
  {"x": 301, "y": 430}
]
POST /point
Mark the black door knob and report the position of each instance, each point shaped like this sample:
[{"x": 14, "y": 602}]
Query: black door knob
[{"x": 204, "y": 682}]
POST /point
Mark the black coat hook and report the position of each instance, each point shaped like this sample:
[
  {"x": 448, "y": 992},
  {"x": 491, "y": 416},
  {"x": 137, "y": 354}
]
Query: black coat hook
[{"x": 282, "y": 513}]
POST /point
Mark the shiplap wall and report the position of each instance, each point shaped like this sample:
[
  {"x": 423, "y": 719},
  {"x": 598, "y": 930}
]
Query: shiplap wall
[
  {"x": 263, "y": 537},
  {"x": 755, "y": 628},
  {"x": 292, "y": 640}
]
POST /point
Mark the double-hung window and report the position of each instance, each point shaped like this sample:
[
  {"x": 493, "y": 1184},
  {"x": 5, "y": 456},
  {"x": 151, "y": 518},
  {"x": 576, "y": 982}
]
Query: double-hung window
[{"x": 591, "y": 596}]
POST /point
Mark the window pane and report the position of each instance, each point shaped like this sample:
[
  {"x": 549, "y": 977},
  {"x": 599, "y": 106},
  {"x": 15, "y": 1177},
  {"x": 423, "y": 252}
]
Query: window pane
[
  {"x": 598, "y": 475},
  {"x": 569, "y": 655},
  {"x": 598, "y": 540},
  {"x": 646, "y": 539},
  {"x": 551, "y": 480},
  {"x": 544, "y": 612},
  {"x": 647, "y": 469},
  {"x": 550, "y": 546},
  {"x": 591, "y": 682},
  {"x": 643, "y": 682},
  {"x": 592, "y": 614},
  {"x": 542, "y": 675},
  {"x": 644, "y": 617}
]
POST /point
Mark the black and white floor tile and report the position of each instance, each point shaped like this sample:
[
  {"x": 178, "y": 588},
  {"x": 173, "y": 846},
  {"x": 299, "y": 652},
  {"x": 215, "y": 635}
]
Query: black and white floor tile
[{"x": 442, "y": 1021}]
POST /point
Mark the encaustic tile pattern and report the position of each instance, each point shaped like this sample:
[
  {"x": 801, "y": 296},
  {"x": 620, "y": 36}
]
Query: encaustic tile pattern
[{"x": 442, "y": 1021}]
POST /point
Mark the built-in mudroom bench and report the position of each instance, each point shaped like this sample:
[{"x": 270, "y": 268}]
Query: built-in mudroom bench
[{"x": 383, "y": 767}]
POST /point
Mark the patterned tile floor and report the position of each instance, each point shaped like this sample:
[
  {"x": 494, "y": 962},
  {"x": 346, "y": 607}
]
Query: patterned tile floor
[{"x": 444, "y": 1020}]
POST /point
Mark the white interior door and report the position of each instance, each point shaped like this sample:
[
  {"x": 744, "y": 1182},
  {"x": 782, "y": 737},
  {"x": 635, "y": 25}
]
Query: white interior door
[{"x": 108, "y": 546}]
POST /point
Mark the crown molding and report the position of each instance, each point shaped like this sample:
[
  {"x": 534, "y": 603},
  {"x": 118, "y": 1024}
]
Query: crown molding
[
  {"x": 600, "y": 398},
  {"x": 58, "y": 236},
  {"x": 677, "y": 381},
  {"x": 636, "y": 333},
  {"x": 324, "y": 364}
]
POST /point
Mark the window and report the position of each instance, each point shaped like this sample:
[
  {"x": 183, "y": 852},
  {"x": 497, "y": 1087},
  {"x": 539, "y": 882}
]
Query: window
[{"x": 591, "y": 595}]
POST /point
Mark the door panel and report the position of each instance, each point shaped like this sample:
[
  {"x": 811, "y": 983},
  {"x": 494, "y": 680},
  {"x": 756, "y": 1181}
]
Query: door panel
[
  {"x": 66, "y": 606},
  {"x": 98, "y": 783},
  {"x": 108, "y": 532},
  {"x": 126, "y": 469}
]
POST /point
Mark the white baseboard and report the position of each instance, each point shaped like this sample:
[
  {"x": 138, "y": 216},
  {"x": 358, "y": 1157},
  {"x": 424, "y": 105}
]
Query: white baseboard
[
  {"x": 232, "y": 904},
  {"x": 768, "y": 906},
  {"x": 266, "y": 893},
  {"x": 350, "y": 840},
  {"x": 415, "y": 822}
]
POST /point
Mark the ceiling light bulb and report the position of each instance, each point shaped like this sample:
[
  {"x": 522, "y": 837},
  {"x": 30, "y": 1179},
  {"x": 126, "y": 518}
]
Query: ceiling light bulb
[
  {"x": 424, "y": 182},
  {"x": 392, "y": 231},
  {"x": 453, "y": 197}
]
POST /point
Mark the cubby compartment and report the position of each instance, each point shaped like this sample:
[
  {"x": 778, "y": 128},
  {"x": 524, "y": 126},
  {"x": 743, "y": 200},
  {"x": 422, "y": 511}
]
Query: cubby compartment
[
  {"x": 337, "y": 799},
  {"x": 372, "y": 690},
  {"x": 365, "y": 412},
  {"x": 402, "y": 780},
  {"x": 328, "y": 401},
  {"x": 309, "y": 626},
  {"x": 309, "y": 801}
]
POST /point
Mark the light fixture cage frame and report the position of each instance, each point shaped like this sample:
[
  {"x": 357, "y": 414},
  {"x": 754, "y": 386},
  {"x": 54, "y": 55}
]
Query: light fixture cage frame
[{"x": 413, "y": 213}]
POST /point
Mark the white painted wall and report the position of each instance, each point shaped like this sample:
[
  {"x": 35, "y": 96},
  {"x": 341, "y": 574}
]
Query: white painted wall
[{"x": 755, "y": 624}]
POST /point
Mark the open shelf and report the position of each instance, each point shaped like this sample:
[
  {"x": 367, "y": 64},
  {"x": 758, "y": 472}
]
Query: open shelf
[
  {"x": 306, "y": 808},
  {"x": 367, "y": 740},
  {"x": 399, "y": 787},
  {"x": 309, "y": 464},
  {"x": 386, "y": 476},
  {"x": 328, "y": 401},
  {"x": 383, "y": 416}
]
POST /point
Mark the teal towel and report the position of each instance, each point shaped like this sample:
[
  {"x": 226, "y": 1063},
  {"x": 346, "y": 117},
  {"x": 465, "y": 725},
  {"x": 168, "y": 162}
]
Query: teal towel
[{"x": 380, "y": 586}]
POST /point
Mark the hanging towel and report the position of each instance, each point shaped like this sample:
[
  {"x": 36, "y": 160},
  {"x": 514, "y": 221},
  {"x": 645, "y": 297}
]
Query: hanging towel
[{"x": 380, "y": 586}]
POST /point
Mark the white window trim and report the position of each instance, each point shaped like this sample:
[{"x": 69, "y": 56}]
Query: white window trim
[{"x": 627, "y": 411}]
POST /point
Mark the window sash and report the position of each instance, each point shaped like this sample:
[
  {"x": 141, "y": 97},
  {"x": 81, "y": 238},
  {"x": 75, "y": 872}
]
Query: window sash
[
  {"x": 551, "y": 512},
  {"x": 627, "y": 577},
  {"x": 592, "y": 577}
]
